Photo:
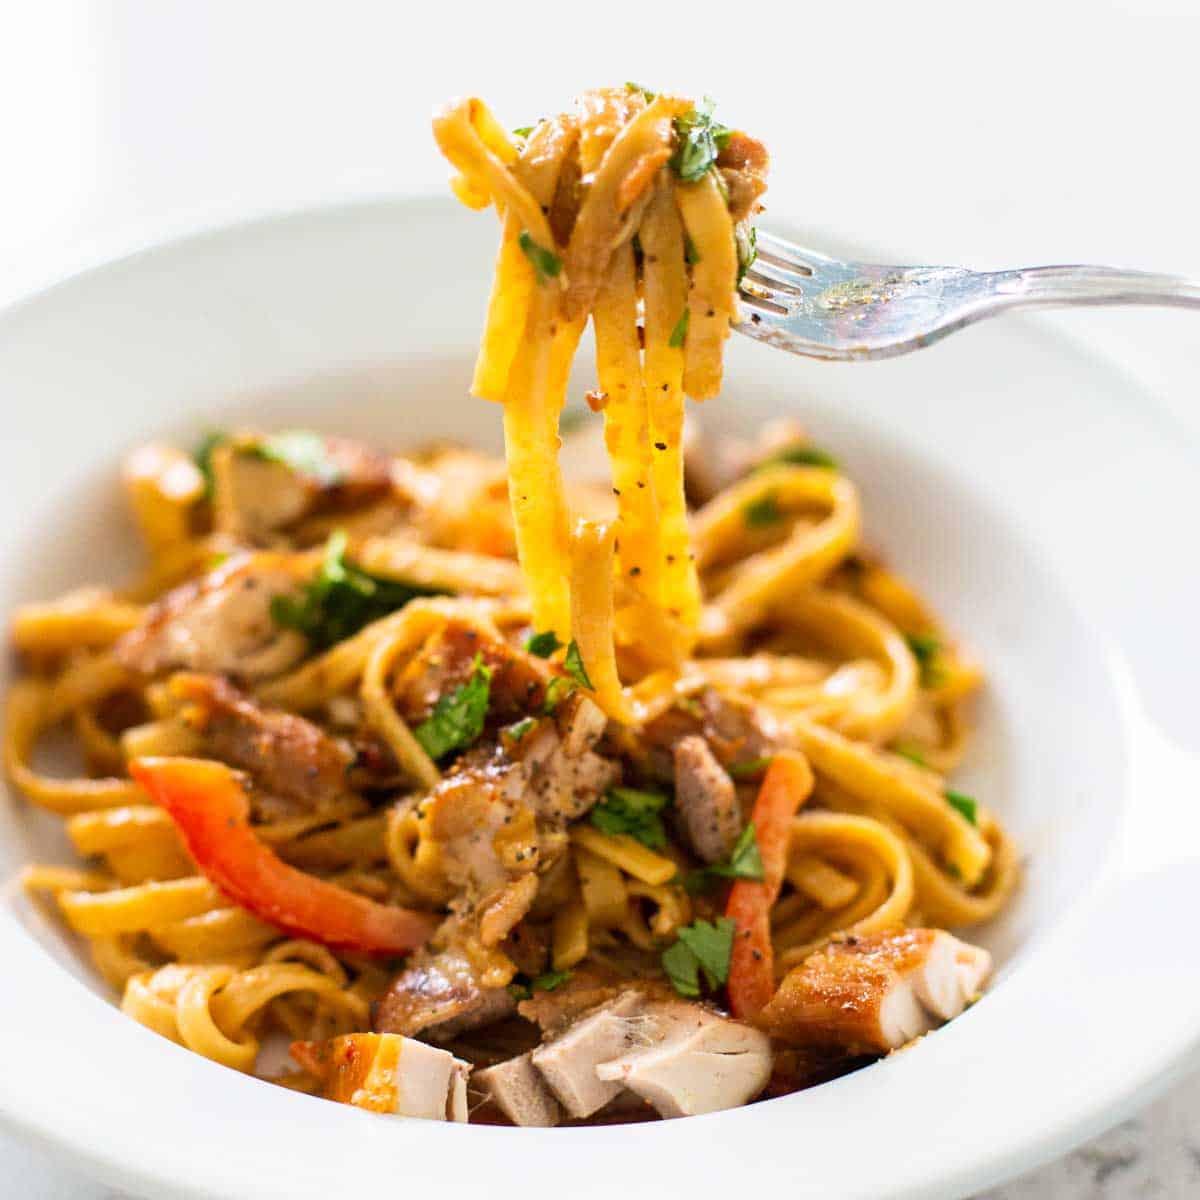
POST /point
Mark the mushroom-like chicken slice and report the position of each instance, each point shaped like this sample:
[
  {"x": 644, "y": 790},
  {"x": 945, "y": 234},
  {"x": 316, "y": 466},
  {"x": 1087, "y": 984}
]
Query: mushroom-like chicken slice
[
  {"x": 221, "y": 623},
  {"x": 706, "y": 800},
  {"x": 386, "y": 1073},
  {"x": 875, "y": 993},
  {"x": 743, "y": 165}
]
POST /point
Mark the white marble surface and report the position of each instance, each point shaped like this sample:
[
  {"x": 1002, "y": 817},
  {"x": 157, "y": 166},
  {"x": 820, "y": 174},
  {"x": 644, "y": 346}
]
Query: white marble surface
[{"x": 1061, "y": 130}]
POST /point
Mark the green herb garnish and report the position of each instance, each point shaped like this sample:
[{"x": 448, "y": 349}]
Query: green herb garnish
[
  {"x": 634, "y": 813},
  {"x": 647, "y": 94},
  {"x": 746, "y": 238},
  {"x": 518, "y": 729},
  {"x": 679, "y": 333},
  {"x": 546, "y": 264},
  {"x": 749, "y": 768},
  {"x": 522, "y": 987},
  {"x": 703, "y": 949},
  {"x": 699, "y": 139},
  {"x": 340, "y": 599},
  {"x": 573, "y": 664},
  {"x": 965, "y": 805},
  {"x": 690, "y": 253},
  {"x": 524, "y": 131},
  {"x": 763, "y": 511},
  {"x": 457, "y": 719},
  {"x": 909, "y": 751},
  {"x": 542, "y": 644},
  {"x": 744, "y": 862},
  {"x": 557, "y": 690},
  {"x": 801, "y": 456},
  {"x": 927, "y": 649},
  {"x": 303, "y": 451},
  {"x": 202, "y": 457}
]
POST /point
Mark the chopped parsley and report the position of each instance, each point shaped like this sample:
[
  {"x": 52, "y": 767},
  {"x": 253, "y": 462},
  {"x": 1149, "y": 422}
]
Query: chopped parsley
[
  {"x": 703, "y": 950},
  {"x": 911, "y": 752},
  {"x": 647, "y": 94},
  {"x": 746, "y": 238},
  {"x": 542, "y": 644},
  {"x": 303, "y": 451},
  {"x": 202, "y": 457},
  {"x": 927, "y": 649},
  {"x": 744, "y": 862},
  {"x": 557, "y": 690},
  {"x": 634, "y": 814},
  {"x": 763, "y": 511},
  {"x": 966, "y": 806},
  {"x": 518, "y": 729},
  {"x": 749, "y": 768},
  {"x": 679, "y": 333},
  {"x": 546, "y": 264},
  {"x": 340, "y": 599},
  {"x": 572, "y": 420},
  {"x": 457, "y": 719},
  {"x": 523, "y": 987},
  {"x": 801, "y": 456},
  {"x": 573, "y": 664},
  {"x": 691, "y": 254},
  {"x": 524, "y": 131},
  {"x": 698, "y": 141}
]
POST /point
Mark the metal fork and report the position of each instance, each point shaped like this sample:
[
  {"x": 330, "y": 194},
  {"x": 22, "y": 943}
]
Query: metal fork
[{"x": 822, "y": 307}]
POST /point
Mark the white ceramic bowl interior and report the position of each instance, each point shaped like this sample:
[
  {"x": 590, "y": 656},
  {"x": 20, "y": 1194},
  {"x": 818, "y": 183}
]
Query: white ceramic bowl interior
[{"x": 1031, "y": 493}]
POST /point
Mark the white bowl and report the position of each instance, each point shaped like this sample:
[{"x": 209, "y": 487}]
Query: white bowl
[{"x": 1041, "y": 500}]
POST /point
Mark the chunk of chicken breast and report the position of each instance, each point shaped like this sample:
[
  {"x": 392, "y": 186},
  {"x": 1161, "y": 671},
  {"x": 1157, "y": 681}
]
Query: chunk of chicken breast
[
  {"x": 289, "y": 757},
  {"x": 221, "y": 623},
  {"x": 389, "y": 1074},
  {"x": 517, "y": 1089},
  {"x": 438, "y": 997},
  {"x": 258, "y": 495},
  {"x": 875, "y": 993},
  {"x": 694, "y": 1061},
  {"x": 706, "y": 800}
]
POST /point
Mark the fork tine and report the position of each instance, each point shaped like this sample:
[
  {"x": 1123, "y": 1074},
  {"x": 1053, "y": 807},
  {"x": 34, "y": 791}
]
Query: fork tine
[
  {"x": 766, "y": 275},
  {"x": 787, "y": 256}
]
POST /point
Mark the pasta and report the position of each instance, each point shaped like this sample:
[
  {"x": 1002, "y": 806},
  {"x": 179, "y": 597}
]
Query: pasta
[{"x": 424, "y": 758}]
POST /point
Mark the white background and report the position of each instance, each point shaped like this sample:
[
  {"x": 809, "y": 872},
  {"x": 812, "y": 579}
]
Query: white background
[{"x": 983, "y": 134}]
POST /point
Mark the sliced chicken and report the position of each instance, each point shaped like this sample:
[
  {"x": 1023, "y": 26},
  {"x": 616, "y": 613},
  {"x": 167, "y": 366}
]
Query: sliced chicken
[
  {"x": 519, "y": 1091},
  {"x": 589, "y": 986},
  {"x": 221, "y": 623},
  {"x": 693, "y": 1060},
  {"x": 289, "y": 757},
  {"x": 260, "y": 491},
  {"x": 568, "y": 1063},
  {"x": 438, "y": 997},
  {"x": 389, "y": 1074},
  {"x": 706, "y": 800},
  {"x": 877, "y": 992}
]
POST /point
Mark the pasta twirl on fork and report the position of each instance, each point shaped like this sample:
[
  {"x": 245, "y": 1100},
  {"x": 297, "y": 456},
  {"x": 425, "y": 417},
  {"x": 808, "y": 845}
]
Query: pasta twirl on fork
[{"x": 508, "y": 797}]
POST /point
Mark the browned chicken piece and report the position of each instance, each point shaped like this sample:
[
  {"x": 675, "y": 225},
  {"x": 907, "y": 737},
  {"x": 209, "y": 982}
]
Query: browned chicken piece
[
  {"x": 256, "y": 495},
  {"x": 288, "y": 757},
  {"x": 439, "y": 997},
  {"x": 736, "y": 731},
  {"x": 875, "y": 993},
  {"x": 446, "y": 661},
  {"x": 706, "y": 800},
  {"x": 590, "y": 984},
  {"x": 743, "y": 165},
  {"x": 221, "y": 623}
]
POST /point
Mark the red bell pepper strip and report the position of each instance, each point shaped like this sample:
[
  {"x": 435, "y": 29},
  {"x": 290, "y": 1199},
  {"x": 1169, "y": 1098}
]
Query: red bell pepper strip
[
  {"x": 209, "y": 806},
  {"x": 786, "y": 786}
]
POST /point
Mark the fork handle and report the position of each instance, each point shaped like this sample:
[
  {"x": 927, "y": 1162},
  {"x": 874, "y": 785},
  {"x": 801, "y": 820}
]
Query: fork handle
[{"x": 1072, "y": 285}]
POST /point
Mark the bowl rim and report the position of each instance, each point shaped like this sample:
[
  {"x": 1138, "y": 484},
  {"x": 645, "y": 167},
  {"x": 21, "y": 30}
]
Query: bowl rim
[{"x": 1139, "y": 1068}]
